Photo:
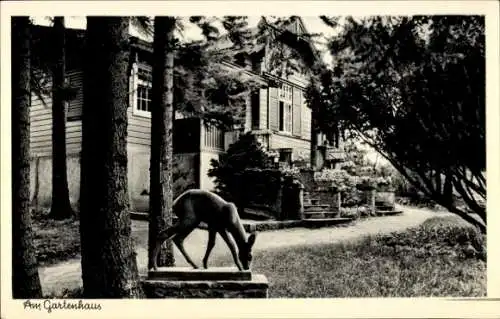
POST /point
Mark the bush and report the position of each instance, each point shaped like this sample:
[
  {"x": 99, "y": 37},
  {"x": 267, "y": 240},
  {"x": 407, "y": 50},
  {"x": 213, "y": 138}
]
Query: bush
[
  {"x": 355, "y": 212},
  {"x": 441, "y": 236},
  {"x": 76, "y": 293},
  {"x": 257, "y": 186},
  {"x": 350, "y": 212},
  {"x": 245, "y": 153},
  {"x": 246, "y": 176}
]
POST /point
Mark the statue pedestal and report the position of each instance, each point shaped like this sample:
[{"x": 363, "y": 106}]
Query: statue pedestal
[{"x": 219, "y": 282}]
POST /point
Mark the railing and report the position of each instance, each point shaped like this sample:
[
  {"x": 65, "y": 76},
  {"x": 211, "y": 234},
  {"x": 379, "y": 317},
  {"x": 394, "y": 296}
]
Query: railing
[
  {"x": 214, "y": 138},
  {"x": 262, "y": 136}
]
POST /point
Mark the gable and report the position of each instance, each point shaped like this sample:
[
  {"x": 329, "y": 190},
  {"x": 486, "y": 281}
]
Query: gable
[
  {"x": 297, "y": 27},
  {"x": 294, "y": 35}
]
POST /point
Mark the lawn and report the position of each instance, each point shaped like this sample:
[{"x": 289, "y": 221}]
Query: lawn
[
  {"x": 442, "y": 257},
  {"x": 436, "y": 259}
]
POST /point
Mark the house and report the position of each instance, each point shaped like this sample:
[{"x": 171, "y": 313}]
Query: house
[{"x": 276, "y": 113}]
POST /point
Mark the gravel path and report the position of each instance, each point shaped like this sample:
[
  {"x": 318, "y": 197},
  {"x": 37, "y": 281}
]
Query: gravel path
[{"x": 67, "y": 275}]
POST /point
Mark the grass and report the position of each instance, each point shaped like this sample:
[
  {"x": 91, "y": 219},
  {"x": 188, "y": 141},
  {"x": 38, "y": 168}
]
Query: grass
[
  {"x": 435, "y": 259},
  {"x": 55, "y": 240},
  {"x": 59, "y": 240},
  {"x": 443, "y": 257}
]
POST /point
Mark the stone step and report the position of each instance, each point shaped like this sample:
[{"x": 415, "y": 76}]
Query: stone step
[
  {"x": 388, "y": 212},
  {"x": 319, "y": 215},
  {"x": 318, "y": 207},
  {"x": 324, "y": 222},
  {"x": 384, "y": 207},
  {"x": 311, "y": 201}
]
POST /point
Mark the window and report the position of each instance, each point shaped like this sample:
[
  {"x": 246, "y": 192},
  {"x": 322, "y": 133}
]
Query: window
[
  {"x": 285, "y": 108},
  {"x": 143, "y": 98},
  {"x": 285, "y": 93},
  {"x": 255, "y": 103},
  {"x": 141, "y": 90},
  {"x": 285, "y": 117}
]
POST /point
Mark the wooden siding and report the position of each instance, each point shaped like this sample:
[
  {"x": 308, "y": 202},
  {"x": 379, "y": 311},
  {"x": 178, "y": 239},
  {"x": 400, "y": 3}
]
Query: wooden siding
[
  {"x": 300, "y": 146},
  {"x": 139, "y": 129},
  {"x": 41, "y": 126}
]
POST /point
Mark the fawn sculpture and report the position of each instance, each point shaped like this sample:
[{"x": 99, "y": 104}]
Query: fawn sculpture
[{"x": 195, "y": 206}]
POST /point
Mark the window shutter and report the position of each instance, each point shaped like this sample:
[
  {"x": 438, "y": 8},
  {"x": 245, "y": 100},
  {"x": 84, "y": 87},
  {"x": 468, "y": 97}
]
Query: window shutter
[
  {"x": 75, "y": 80},
  {"x": 273, "y": 109},
  {"x": 296, "y": 106},
  {"x": 132, "y": 89}
]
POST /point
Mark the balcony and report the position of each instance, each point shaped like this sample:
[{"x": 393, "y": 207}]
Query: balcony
[{"x": 262, "y": 137}]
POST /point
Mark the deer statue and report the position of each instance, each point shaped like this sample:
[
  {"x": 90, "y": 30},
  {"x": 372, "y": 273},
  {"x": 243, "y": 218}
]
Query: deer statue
[{"x": 195, "y": 206}]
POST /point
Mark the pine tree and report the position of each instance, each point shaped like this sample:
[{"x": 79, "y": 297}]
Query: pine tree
[
  {"x": 109, "y": 265},
  {"x": 25, "y": 278}
]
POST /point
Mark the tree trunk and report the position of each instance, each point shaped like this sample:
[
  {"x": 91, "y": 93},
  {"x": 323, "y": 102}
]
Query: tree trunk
[
  {"x": 25, "y": 279},
  {"x": 60, "y": 208},
  {"x": 161, "y": 187},
  {"x": 109, "y": 265}
]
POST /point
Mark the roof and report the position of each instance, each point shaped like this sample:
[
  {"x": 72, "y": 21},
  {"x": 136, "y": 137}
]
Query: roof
[
  {"x": 75, "y": 46},
  {"x": 295, "y": 37},
  {"x": 75, "y": 42}
]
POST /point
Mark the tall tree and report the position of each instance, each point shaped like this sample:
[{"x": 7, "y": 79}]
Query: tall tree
[
  {"x": 162, "y": 111},
  {"x": 25, "y": 278},
  {"x": 109, "y": 265},
  {"x": 201, "y": 87},
  {"x": 413, "y": 89},
  {"x": 60, "y": 207}
]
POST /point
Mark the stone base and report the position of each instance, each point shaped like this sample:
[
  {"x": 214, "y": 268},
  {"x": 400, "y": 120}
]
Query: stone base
[
  {"x": 256, "y": 287},
  {"x": 190, "y": 274}
]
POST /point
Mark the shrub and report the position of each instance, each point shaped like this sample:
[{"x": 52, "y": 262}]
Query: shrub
[
  {"x": 258, "y": 186},
  {"x": 439, "y": 236},
  {"x": 350, "y": 212},
  {"x": 245, "y": 153}
]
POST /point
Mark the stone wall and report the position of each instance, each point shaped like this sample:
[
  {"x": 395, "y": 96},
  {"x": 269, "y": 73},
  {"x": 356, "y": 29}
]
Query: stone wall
[
  {"x": 41, "y": 181},
  {"x": 257, "y": 287},
  {"x": 185, "y": 177}
]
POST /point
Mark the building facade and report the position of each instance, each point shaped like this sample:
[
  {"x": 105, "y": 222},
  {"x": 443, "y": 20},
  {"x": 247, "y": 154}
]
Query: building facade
[{"x": 277, "y": 114}]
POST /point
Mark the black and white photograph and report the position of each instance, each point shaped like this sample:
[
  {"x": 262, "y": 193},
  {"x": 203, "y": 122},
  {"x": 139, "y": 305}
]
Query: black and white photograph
[{"x": 245, "y": 155}]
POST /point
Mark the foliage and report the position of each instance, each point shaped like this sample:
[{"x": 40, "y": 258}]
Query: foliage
[
  {"x": 76, "y": 293},
  {"x": 355, "y": 212},
  {"x": 246, "y": 175},
  {"x": 355, "y": 176},
  {"x": 44, "y": 45},
  {"x": 245, "y": 153},
  {"x": 205, "y": 86},
  {"x": 413, "y": 89},
  {"x": 340, "y": 180},
  {"x": 290, "y": 173},
  {"x": 258, "y": 187}
]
